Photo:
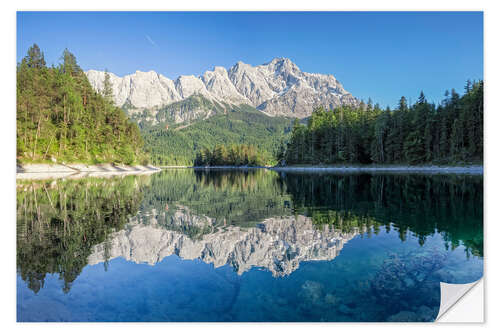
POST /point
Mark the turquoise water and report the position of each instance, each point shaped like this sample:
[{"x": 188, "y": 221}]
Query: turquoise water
[{"x": 185, "y": 245}]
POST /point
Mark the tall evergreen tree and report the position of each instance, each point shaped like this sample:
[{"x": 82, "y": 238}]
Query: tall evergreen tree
[
  {"x": 107, "y": 91},
  {"x": 35, "y": 58},
  {"x": 69, "y": 64}
]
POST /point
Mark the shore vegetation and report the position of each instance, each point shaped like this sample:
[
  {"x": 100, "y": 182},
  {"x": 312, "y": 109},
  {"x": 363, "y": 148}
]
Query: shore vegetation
[
  {"x": 450, "y": 133},
  {"x": 61, "y": 118}
]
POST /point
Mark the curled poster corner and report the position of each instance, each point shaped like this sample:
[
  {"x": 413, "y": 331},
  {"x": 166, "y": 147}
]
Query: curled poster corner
[{"x": 457, "y": 306}]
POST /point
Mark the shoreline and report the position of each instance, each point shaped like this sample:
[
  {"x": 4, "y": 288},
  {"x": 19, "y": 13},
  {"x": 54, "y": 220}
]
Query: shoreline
[
  {"x": 74, "y": 171},
  {"x": 472, "y": 169},
  {"x": 242, "y": 167}
]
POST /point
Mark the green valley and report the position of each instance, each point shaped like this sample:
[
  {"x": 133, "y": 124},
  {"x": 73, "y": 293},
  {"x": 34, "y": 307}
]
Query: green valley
[{"x": 179, "y": 144}]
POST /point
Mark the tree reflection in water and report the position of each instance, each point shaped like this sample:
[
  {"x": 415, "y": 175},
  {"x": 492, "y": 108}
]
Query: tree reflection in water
[{"x": 61, "y": 224}]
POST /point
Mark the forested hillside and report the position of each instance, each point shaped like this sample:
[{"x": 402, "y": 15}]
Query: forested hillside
[
  {"x": 421, "y": 133},
  {"x": 240, "y": 125},
  {"x": 61, "y": 118},
  {"x": 195, "y": 107},
  {"x": 236, "y": 155}
]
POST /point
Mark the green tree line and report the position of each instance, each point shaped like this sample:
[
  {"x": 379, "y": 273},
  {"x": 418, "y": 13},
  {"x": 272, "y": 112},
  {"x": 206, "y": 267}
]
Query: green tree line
[
  {"x": 60, "y": 117},
  {"x": 235, "y": 155},
  {"x": 421, "y": 133}
]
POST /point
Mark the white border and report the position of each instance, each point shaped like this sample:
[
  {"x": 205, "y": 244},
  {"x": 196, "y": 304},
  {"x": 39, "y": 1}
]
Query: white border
[
  {"x": 492, "y": 168},
  {"x": 461, "y": 310}
]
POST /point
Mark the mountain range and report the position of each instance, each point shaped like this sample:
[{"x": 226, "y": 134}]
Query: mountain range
[
  {"x": 278, "y": 244},
  {"x": 276, "y": 88}
]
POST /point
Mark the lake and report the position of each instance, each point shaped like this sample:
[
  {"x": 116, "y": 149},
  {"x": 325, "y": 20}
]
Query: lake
[{"x": 254, "y": 245}]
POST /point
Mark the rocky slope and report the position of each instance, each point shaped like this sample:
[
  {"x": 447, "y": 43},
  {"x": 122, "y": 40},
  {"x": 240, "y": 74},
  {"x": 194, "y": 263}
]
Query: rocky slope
[
  {"x": 277, "y": 88},
  {"x": 276, "y": 244}
]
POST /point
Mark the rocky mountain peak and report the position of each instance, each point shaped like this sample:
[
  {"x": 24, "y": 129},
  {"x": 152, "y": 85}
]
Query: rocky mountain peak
[
  {"x": 277, "y": 88},
  {"x": 221, "y": 88},
  {"x": 187, "y": 85},
  {"x": 282, "y": 65},
  {"x": 220, "y": 70}
]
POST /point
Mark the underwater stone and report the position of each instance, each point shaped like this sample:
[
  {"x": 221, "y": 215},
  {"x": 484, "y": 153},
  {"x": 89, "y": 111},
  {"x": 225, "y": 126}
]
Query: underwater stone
[
  {"x": 330, "y": 299},
  {"x": 344, "y": 309},
  {"x": 403, "y": 316},
  {"x": 312, "y": 291},
  {"x": 426, "y": 314}
]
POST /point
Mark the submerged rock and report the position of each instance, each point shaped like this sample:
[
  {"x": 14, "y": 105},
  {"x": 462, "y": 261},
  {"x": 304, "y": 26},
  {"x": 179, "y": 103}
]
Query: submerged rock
[
  {"x": 344, "y": 309},
  {"x": 403, "y": 274},
  {"x": 331, "y": 299},
  {"x": 427, "y": 314},
  {"x": 312, "y": 291},
  {"x": 404, "y": 316},
  {"x": 423, "y": 313}
]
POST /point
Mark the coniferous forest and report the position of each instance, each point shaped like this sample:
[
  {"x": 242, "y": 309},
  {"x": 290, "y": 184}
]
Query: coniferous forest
[
  {"x": 61, "y": 118},
  {"x": 423, "y": 133},
  {"x": 236, "y": 155}
]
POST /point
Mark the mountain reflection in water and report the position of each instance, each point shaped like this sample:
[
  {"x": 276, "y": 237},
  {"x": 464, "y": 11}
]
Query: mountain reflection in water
[
  {"x": 277, "y": 244},
  {"x": 349, "y": 247}
]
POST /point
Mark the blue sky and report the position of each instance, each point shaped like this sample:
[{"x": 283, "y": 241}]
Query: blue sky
[{"x": 379, "y": 55}]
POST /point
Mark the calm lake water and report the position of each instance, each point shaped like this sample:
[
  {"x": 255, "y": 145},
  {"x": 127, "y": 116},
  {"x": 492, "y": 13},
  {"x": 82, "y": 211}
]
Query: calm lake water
[{"x": 189, "y": 245}]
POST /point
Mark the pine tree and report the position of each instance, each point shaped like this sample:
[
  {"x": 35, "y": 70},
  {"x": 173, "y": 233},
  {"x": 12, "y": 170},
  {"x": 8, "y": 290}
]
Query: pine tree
[
  {"x": 454, "y": 140},
  {"x": 428, "y": 139},
  {"x": 35, "y": 58},
  {"x": 69, "y": 64},
  {"x": 468, "y": 86},
  {"x": 107, "y": 91},
  {"x": 402, "y": 105},
  {"x": 421, "y": 98}
]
